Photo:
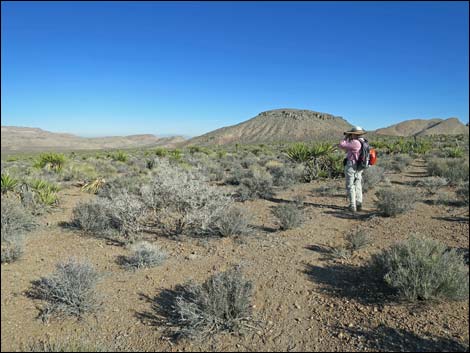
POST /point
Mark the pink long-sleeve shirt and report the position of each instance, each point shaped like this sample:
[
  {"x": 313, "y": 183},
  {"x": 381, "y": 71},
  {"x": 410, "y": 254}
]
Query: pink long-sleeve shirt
[{"x": 353, "y": 147}]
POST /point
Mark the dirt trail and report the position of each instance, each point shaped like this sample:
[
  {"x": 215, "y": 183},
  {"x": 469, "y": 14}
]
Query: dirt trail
[{"x": 305, "y": 301}]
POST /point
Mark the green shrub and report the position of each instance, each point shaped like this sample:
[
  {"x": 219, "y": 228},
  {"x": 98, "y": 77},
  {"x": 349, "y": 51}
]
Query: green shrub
[
  {"x": 454, "y": 170},
  {"x": 423, "y": 269},
  {"x": 392, "y": 202}
]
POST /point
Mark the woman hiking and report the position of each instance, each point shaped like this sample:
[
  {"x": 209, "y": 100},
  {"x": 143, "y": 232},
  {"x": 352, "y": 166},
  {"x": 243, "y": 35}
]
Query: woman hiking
[{"x": 352, "y": 144}]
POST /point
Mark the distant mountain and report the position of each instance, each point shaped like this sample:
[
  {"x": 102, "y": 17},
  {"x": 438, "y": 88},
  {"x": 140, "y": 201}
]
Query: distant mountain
[
  {"x": 280, "y": 125},
  {"x": 28, "y": 139},
  {"x": 422, "y": 127}
]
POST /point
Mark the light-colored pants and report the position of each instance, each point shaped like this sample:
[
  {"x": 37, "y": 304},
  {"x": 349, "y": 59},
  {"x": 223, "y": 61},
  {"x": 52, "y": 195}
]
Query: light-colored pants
[{"x": 353, "y": 184}]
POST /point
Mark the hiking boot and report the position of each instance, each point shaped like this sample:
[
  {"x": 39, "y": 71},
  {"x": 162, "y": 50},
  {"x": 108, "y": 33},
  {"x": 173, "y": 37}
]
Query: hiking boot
[
  {"x": 359, "y": 206},
  {"x": 352, "y": 209}
]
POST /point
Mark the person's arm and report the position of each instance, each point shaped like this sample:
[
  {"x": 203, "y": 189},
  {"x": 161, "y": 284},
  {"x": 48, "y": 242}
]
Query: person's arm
[{"x": 347, "y": 144}]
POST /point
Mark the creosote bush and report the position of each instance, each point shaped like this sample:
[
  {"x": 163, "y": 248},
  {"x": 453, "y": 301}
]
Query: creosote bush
[
  {"x": 392, "y": 202},
  {"x": 70, "y": 290},
  {"x": 289, "y": 215},
  {"x": 222, "y": 303},
  {"x": 143, "y": 255},
  {"x": 423, "y": 269}
]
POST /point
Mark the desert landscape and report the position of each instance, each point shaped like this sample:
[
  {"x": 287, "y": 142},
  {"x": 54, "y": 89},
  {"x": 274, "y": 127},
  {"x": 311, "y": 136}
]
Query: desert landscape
[{"x": 236, "y": 240}]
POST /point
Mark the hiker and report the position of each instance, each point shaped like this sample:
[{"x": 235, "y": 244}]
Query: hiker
[{"x": 351, "y": 143}]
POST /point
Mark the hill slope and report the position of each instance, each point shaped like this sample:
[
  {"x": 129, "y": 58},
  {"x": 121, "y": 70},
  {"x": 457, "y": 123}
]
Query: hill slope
[
  {"x": 33, "y": 139},
  {"x": 422, "y": 127},
  {"x": 277, "y": 126}
]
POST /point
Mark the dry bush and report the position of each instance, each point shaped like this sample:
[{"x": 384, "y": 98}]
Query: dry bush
[
  {"x": 257, "y": 184},
  {"x": 16, "y": 222},
  {"x": 423, "y": 269},
  {"x": 357, "y": 240},
  {"x": 102, "y": 217},
  {"x": 143, "y": 255},
  {"x": 392, "y": 202},
  {"x": 371, "y": 177},
  {"x": 234, "y": 222},
  {"x": 182, "y": 202},
  {"x": 222, "y": 303},
  {"x": 433, "y": 184},
  {"x": 70, "y": 290},
  {"x": 289, "y": 215}
]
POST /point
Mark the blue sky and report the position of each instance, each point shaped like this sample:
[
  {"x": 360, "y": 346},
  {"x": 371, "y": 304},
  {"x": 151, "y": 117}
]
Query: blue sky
[{"x": 117, "y": 68}]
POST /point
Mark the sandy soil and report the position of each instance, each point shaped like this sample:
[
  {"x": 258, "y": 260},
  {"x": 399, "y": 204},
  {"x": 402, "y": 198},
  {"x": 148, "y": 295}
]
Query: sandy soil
[{"x": 304, "y": 300}]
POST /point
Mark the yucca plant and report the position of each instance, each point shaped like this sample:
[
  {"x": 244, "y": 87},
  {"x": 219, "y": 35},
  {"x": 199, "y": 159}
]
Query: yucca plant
[
  {"x": 8, "y": 183},
  {"x": 454, "y": 152},
  {"x": 40, "y": 184},
  {"x": 119, "y": 156},
  {"x": 52, "y": 161},
  {"x": 298, "y": 152},
  {"x": 94, "y": 186},
  {"x": 47, "y": 197}
]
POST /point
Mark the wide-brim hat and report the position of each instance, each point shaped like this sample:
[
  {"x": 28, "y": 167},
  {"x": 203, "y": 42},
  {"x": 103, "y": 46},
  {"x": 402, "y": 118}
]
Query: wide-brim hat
[{"x": 356, "y": 130}]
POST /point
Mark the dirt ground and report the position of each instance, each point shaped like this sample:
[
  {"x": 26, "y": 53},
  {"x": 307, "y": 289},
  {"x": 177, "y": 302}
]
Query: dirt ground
[{"x": 303, "y": 299}]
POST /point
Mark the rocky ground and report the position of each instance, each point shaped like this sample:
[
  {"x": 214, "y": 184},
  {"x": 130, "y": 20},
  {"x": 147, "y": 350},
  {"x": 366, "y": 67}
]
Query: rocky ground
[{"x": 304, "y": 299}]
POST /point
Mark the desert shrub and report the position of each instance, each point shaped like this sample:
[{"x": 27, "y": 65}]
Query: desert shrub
[
  {"x": 423, "y": 269},
  {"x": 357, "y": 240},
  {"x": 144, "y": 254},
  {"x": 289, "y": 215},
  {"x": 392, "y": 202},
  {"x": 65, "y": 345},
  {"x": 236, "y": 175},
  {"x": 235, "y": 221},
  {"x": 257, "y": 184},
  {"x": 462, "y": 193},
  {"x": 432, "y": 184},
  {"x": 8, "y": 183},
  {"x": 12, "y": 249},
  {"x": 15, "y": 219},
  {"x": 283, "y": 174},
  {"x": 51, "y": 161},
  {"x": 371, "y": 177},
  {"x": 119, "y": 216},
  {"x": 182, "y": 202},
  {"x": 70, "y": 290},
  {"x": 111, "y": 188},
  {"x": 454, "y": 170},
  {"x": 222, "y": 303},
  {"x": 341, "y": 252}
]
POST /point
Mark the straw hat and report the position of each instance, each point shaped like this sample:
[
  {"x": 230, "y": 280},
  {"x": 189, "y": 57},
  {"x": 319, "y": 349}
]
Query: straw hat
[{"x": 355, "y": 130}]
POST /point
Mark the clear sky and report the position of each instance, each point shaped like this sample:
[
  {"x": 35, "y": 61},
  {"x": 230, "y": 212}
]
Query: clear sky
[{"x": 117, "y": 68}]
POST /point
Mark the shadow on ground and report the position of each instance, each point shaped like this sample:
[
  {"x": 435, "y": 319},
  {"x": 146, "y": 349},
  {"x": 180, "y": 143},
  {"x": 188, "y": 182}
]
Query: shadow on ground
[
  {"x": 388, "y": 339},
  {"x": 358, "y": 283}
]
